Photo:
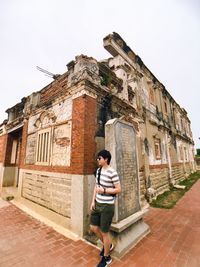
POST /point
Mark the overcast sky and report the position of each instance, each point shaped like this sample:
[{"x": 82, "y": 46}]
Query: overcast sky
[{"x": 50, "y": 33}]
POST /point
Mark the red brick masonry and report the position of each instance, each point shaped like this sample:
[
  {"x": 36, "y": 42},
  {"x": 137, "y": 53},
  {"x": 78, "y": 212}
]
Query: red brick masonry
[{"x": 174, "y": 240}]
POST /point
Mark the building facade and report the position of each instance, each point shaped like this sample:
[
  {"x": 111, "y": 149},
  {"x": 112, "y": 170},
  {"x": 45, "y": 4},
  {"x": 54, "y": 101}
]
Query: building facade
[{"x": 49, "y": 142}]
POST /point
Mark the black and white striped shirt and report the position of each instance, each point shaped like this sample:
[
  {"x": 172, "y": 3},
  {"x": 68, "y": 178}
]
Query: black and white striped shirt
[{"x": 108, "y": 179}]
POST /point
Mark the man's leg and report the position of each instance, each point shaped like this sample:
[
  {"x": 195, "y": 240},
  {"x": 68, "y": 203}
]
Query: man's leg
[
  {"x": 106, "y": 219},
  {"x": 95, "y": 229},
  {"x": 106, "y": 243}
]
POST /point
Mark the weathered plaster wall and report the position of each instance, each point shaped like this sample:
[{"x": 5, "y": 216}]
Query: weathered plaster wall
[
  {"x": 31, "y": 148},
  {"x": 61, "y": 111},
  {"x": 58, "y": 119},
  {"x": 10, "y": 176},
  {"x": 61, "y": 145}
]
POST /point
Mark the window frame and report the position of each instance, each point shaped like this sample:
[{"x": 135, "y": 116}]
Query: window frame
[
  {"x": 157, "y": 148},
  {"x": 152, "y": 96},
  {"x": 186, "y": 154},
  {"x": 14, "y": 152},
  {"x": 181, "y": 153},
  {"x": 165, "y": 106},
  {"x": 43, "y": 147}
]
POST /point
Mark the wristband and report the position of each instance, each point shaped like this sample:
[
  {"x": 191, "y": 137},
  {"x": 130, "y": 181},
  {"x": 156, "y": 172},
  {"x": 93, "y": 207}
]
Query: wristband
[{"x": 104, "y": 190}]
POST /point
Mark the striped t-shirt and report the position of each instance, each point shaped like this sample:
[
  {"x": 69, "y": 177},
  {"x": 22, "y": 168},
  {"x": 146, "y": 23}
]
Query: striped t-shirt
[{"x": 108, "y": 179}]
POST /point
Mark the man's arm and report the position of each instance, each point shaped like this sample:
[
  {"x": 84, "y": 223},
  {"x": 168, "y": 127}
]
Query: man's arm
[
  {"x": 92, "y": 206},
  {"x": 113, "y": 191}
]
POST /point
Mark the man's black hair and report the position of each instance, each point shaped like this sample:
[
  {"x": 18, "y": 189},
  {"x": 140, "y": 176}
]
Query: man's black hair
[{"x": 105, "y": 154}]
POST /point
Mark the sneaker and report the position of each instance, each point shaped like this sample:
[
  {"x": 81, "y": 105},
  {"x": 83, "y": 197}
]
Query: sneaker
[
  {"x": 102, "y": 251},
  {"x": 105, "y": 261}
]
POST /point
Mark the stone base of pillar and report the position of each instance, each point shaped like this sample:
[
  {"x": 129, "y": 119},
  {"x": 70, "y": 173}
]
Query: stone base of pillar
[{"x": 128, "y": 232}]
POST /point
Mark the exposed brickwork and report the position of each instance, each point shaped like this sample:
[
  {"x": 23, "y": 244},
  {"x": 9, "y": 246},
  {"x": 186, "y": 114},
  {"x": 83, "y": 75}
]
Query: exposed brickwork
[
  {"x": 89, "y": 134},
  {"x": 78, "y": 120},
  {"x": 159, "y": 166},
  {"x": 23, "y": 144},
  {"x": 3, "y": 142},
  {"x": 53, "y": 90},
  {"x": 83, "y": 133},
  {"x": 8, "y": 150},
  {"x": 60, "y": 169},
  {"x": 83, "y": 147}
]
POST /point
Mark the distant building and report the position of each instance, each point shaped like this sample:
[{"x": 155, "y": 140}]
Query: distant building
[{"x": 49, "y": 142}]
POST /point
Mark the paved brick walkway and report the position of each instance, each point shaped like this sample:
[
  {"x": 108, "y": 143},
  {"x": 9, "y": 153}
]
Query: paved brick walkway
[{"x": 174, "y": 240}]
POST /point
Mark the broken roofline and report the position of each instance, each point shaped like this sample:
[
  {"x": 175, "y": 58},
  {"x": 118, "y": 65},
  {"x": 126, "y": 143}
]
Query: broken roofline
[
  {"x": 115, "y": 45},
  {"x": 113, "y": 42}
]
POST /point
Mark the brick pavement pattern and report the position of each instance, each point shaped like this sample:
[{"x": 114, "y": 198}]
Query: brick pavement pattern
[{"x": 174, "y": 240}]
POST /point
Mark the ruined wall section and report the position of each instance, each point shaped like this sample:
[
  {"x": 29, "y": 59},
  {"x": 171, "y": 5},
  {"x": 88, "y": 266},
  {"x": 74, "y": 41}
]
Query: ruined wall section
[
  {"x": 85, "y": 80},
  {"x": 48, "y": 188},
  {"x": 64, "y": 121},
  {"x": 57, "y": 118},
  {"x": 54, "y": 90},
  {"x": 3, "y": 141},
  {"x": 129, "y": 88},
  {"x": 164, "y": 126}
]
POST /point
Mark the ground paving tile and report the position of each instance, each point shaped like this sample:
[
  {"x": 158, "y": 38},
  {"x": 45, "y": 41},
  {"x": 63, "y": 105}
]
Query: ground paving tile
[{"x": 174, "y": 240}]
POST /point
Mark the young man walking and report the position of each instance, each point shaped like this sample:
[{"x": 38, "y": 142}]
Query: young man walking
[{"x": 102, "y": 207}]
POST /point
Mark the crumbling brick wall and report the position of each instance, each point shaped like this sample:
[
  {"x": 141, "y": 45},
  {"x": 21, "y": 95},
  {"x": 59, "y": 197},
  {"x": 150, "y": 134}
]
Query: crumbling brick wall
[{"x": 3, "y": 142}]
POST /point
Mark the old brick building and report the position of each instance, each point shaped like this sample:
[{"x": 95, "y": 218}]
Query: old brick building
[{"x": 49, "y": 142}]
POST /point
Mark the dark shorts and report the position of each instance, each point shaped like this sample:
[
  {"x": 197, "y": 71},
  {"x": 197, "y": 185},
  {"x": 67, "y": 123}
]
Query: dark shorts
[{"x": 102, "y": 216}]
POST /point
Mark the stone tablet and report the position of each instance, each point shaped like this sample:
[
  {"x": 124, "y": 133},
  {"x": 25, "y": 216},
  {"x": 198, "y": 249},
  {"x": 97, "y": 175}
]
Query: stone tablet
[{"x": 121, "y": 142}]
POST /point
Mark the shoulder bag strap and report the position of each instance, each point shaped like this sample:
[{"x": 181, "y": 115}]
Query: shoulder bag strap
[{"x": 98, "y": 175}]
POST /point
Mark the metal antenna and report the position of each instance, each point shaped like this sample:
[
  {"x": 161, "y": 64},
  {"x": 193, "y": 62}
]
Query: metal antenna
[{"x": 49, "y": 74}]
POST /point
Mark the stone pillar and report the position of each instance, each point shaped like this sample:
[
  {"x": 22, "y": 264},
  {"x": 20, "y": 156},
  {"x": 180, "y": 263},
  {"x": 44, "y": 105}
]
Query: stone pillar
[{"x": 128, "y": 226}]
